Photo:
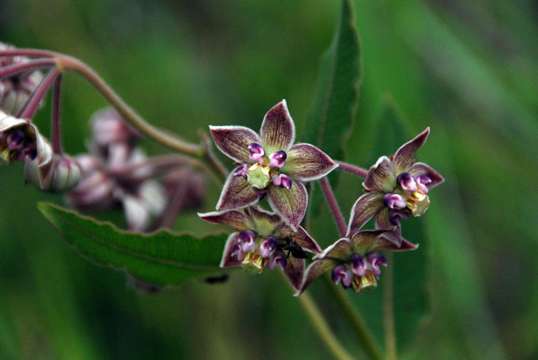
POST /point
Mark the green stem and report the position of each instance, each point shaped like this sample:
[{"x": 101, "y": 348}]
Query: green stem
[
  {"x": 359, "y": 326},
  {"x": 388, "y": 312},
  {"x": 321, "y": 326}
]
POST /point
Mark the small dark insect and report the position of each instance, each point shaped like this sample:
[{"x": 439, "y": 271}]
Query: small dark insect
[
  {"x": 217, "y": 279},
  {"x": 296, "y": 250}
]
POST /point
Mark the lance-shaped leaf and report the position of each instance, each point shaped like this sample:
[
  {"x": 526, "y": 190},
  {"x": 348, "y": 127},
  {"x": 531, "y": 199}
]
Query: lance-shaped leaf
[
  {"x": 162, "y": 258},
  {"x": 333, "y": 111}
]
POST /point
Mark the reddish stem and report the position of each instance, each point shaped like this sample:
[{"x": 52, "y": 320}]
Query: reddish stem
[
  {"x": 16, "y": 69},
  {"x": 352, "y": 169},
  {"x": 33, "y": 104},
  {"x": 56, "y": 130},
  {"x": 27, "y": 52},
  {"x": 333, "y": 206}
]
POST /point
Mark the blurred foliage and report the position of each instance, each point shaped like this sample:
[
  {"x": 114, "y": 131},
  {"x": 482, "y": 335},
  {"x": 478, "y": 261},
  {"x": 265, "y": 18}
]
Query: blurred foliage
[{"x": 467, "y": 69}]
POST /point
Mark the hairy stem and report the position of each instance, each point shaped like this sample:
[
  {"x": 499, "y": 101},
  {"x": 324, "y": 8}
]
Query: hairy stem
[
  {"x": 40, "y": 92},
  {"x": 352, "y": 169},
  {"x": 56, "y": 131},
  {"x": 388, "y": 312},
  {"x": 359, "y": 326},
  {"x": 322, "y": 328},
  {"x": 333, "y": 206}
]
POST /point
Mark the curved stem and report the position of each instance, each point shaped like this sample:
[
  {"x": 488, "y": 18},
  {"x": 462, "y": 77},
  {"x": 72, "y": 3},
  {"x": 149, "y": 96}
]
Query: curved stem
[
  {"x": 16, "y": 69},
  {"x": 388, "y": 312},
  {"x": 352, "y": 169},
  {"x": 28, "y": 53},
  {"x": 359, "y": 326},
  {"x": 322, "y": 328},
  {"x": 129, "y": 114},
  {"x": 33, "y": 103},
  {"x": 56, "y": 131}
]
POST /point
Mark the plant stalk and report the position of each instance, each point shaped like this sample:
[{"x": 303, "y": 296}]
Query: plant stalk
[
  {"x": 352, "y": 169},
  {"x": 388, "y": 312},
  {"x": 322, "y": 328},
  {"x": 56, "y": 131},
  {"x": 40, "y": 92},
  {"x": 333, "y": 206}
]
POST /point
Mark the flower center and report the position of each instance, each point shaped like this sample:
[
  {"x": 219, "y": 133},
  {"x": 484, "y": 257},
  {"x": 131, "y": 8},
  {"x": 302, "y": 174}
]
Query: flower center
[
  {"x": 414, "y": 194},
  {"x": 259, "y": 176},
  {"x": 418, "y": 203},
  {"x": 17, "y": 144},
  {"x": 361, "y": 273}
]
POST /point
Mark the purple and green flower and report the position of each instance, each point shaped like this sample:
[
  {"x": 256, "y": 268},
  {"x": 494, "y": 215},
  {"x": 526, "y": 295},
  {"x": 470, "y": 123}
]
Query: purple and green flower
[
  {"x": 269, "y": 163},
  {"x": 396, "y": 187},
  {"x": 262, "y": 240}
]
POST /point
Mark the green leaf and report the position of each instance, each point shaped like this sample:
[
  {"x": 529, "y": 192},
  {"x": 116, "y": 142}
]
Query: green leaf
[
  {"x": 333, "y": 111},
  {"x": 161, "y": 258},
  {"x": 410, "y": 269}
]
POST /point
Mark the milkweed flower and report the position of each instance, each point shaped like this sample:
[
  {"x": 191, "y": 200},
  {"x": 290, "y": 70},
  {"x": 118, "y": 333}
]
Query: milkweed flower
[
  {"x": 356, "y": 262},
  {"x": 396, "y": 187},
  {"x": 262, "y": 240},
  {"x": 16, "y": 90},
  {"x": 20, "y": 140},
  {"x": 269, "y": 163}
]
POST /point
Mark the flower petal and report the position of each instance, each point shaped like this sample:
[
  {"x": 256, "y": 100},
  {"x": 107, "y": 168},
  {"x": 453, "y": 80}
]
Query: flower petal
[
  {"x": 227, "y": 259},
  {"x": 236, "y": 193},
  {"x": 381, "y": 176},
  {"x": 137, "y": 215},
  {"x": 420, "y": 169},
  {"x": 325, "y": 261},
  {"x": 388, "y": 219},
  {"x": 233, "y": 218},
  {"x": 290, "y": 204},
  {"x": 278, "y": 129},
  {"x": 233, "y": 141},
  {"x": 313, "y": 271},
  {"x": 301, "y": 237},
  {"x": 294, "y": 271},
  {"x": 374, "y": 240},
  {"x": 366, "y": 207},
  {"x": 404, "y": 157},
  {"x": 307, "y": 163}
]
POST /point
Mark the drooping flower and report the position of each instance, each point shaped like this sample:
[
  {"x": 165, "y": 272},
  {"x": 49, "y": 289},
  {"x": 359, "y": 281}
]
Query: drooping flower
[
  {"x": 20, "y": 140},
  {"x": 356, "y": 262},
  {"x": 396, "y": 187},
  {"x": 262, "y": 240},
  {"x": 16, "y": 90},
  {"x": 270, "y": 164}
]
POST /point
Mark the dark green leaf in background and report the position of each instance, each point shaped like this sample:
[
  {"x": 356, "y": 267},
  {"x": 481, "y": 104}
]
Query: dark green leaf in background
[
  {"x": 334, "y": 108},
  {"x": 162, "y": 258}
]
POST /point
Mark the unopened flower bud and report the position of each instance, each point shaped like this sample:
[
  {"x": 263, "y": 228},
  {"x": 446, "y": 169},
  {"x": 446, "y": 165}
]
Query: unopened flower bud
[
  {"x": 142, "y": 208},
  {"x": 61, "y": 173},
  {"x": 19, "y": 139},
  {"x": 16, "y": 90}
]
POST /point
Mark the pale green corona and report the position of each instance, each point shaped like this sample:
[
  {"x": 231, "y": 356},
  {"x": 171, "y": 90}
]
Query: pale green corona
[{"x": 259, "y": 176}]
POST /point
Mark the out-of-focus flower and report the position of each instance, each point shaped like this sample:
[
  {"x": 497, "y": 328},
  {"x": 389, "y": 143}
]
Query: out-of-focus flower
[
  {"x": 16, "y": 90},
  {"x": 263, "y": 240},
  {"x": 356, "y": 262},
  {"x": 111, "y": 175},
  {"x": 396, "y": 187},
  {"x": 270, "y": 163},
  {"x": 20, "y": 140}
]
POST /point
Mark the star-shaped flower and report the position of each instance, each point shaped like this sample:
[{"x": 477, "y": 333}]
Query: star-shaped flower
[
  {"x": 396, "y": 187},
  {"x": 356, "y": 262},
  {"x": 270, "y": 164},
  {"x": 262, "y": 240}
]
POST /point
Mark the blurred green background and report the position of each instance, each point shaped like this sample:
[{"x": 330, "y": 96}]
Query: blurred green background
[{"x": 467, "y": 69}]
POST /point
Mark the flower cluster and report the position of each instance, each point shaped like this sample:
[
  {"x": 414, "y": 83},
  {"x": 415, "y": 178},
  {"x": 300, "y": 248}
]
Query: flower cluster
[
  {"x": 15, "y": 91},
  {"x": 270, "y": 165},
  {"x": 116, "y": 172}
]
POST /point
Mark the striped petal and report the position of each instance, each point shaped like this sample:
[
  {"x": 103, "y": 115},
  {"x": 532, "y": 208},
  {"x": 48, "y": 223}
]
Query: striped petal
[
  {"x": 307, "y": 163},
  {"x": 294, "y": 271},
  {"x": 381, "y": 176},
  {"x": 405, "y": 155},
  {"x": 236, "y": 193},
  {"x": 236, "y": 219},
  {"x": 229, "y": 255},
  {"x": 290, "y": 203},
  {"x": 233, "y": 141},
  {"x": 365, "y": 208},
  {"x": 421, "y": 169},
  {"x": 278, "y": 129}
]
